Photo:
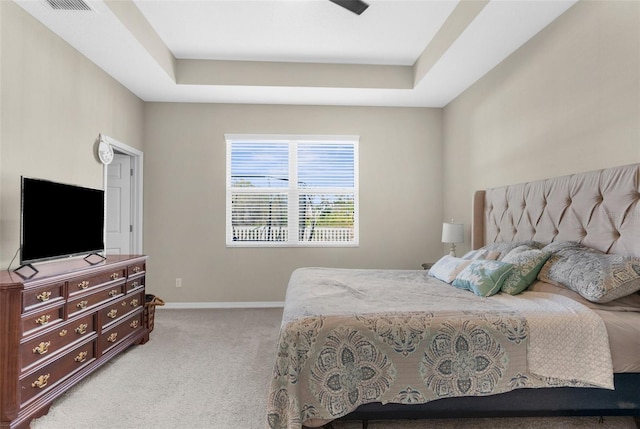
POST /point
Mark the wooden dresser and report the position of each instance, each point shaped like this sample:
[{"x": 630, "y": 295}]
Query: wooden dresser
[{"x": 62, "y": 324}]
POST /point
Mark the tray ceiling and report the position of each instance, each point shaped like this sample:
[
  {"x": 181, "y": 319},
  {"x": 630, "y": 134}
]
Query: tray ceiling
[{"x": 397, "y": 53}]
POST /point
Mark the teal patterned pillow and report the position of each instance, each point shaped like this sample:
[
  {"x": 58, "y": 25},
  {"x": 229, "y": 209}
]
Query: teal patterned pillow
[
  {"x": 483, "y": 277},
  {"x": 526, "y": 266}
]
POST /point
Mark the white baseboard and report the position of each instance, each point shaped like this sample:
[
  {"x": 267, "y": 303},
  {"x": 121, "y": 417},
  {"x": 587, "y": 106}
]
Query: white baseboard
[{"x": 198, "y": 305}]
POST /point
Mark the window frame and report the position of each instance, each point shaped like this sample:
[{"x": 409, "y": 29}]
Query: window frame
[{"x": 293, "y": 190}]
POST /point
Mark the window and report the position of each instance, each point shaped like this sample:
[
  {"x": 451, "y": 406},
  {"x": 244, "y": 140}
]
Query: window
[{"x": 292, "y": 191}]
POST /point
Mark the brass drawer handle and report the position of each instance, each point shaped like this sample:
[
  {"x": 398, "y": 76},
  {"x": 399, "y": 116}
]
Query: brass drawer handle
[
  {"x": 112, "y": 313},
  {"x": 62, "y": 333},
  {"x": 82, "y": 356},
  {"x": 134, "y": 285},
  {"x": 134, "y": 324},
  {"x": 112, "y": 338},
  {"x": 43, "y": 320},
  {"x": 114, "y": 276},
  {"x": 83, "y": 284},
  {"x": 41, "y": 381},
  {"x": 136, "y": 269},
  {"x": 82, "y": 304},
  {"x": 134, "y": 302},
  {"x": 113, "y": 293},
  {"x": 81, "y": 329},
  {"x": 44, "y": 296},
  {"x": 42, "y": 348}
]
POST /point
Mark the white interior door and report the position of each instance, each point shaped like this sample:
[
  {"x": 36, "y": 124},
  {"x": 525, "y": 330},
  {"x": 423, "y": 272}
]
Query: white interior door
[{"x": 119, "y": 227}]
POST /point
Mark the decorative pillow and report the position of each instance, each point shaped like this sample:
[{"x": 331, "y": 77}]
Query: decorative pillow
[
  {"x": 526, "y": 266},
  {"x": 504, "y": 247},
  {"x": 523, "y": 248},
  {"x": 556, "y": 246},
  {"x": 596, "y": 276},
  {"x": 448, "y": 267},
  {"x": 483, "y": 277},
  {"x": 481, "y": 253}
]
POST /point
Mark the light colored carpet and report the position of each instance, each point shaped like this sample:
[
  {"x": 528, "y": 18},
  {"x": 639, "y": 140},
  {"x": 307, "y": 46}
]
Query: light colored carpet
[{"x": 207, "y": 369}]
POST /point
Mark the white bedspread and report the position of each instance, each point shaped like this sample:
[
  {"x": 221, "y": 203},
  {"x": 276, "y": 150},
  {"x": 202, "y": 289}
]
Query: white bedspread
[
  {"x": 566, "y": 339},
  {"x": 350, "y": 337}
]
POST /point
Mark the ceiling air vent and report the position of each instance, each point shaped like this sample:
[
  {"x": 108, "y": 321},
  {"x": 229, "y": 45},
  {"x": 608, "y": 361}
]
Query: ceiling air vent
[{"x": 69, "y": 5}]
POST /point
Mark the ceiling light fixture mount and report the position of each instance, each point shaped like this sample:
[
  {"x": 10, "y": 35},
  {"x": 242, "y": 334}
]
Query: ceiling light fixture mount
[{"x": 355, "y": 6}]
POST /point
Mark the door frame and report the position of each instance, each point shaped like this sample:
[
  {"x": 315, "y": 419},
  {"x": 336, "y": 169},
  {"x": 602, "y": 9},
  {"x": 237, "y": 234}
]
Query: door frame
[{"x": 137, "y": 158}]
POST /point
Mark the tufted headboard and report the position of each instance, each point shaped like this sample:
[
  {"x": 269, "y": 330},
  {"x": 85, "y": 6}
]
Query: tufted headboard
[{"x": 600, "y": 209}]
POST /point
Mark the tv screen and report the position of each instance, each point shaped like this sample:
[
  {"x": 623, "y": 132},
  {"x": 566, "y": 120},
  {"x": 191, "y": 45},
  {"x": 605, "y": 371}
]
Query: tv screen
[{"x": 59, "y": 220}]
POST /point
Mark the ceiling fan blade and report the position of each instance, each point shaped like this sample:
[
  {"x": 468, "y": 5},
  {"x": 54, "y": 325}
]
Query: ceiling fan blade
[{"x": 355, "y": 6}]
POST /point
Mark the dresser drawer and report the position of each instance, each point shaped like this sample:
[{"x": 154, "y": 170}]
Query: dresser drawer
[
  {"x": 51, "y": 342},
  {"x": 41, "y": 319},
  {"x": 85, "y": 302},
  {"x": 121, "y": 308},
  {"x": 132, "y": 285},
  {"x": 79, "y": 285},
  {"x": 38, "y": 297},
  {"x": 118, "y": 333},
  {"x": 40, "y": 381},
  {"x": 135, "y": 269}
]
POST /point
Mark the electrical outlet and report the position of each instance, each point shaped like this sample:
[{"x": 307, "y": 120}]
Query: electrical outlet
[{"x": 178, "y": 282}]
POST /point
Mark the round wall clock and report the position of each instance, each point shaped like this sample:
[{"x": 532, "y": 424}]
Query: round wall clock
[{"x": 105, "y": 152}]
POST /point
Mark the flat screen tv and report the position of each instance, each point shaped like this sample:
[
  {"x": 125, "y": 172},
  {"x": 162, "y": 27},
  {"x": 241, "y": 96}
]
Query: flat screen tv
[{"x": 59, "y": 220}]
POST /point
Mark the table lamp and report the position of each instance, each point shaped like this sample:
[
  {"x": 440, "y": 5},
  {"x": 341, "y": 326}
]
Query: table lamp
[{"x": 452, "y": 233}]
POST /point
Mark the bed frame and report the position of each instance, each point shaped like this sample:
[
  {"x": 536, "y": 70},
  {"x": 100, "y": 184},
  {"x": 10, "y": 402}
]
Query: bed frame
[{"x": 600, "y": 209}]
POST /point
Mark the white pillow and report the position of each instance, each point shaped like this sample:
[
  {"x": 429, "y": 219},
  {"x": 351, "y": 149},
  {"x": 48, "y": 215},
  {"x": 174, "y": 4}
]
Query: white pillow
[{"x": 448, "y": 267}]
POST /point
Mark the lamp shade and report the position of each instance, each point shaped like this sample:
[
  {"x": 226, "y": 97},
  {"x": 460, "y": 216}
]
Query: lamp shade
[{"x": 452, "y": 233}]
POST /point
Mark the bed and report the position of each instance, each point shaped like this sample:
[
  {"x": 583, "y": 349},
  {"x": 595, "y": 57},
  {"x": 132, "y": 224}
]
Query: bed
[{"x": 459, "y": 342}]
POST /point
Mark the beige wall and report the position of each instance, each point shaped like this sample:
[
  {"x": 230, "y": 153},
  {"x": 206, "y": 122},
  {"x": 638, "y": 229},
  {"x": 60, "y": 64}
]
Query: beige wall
[
  {"x": 567, "y": 101},
  {"x": 54, "y": 104},
  {"x": 400, "y": 196}
]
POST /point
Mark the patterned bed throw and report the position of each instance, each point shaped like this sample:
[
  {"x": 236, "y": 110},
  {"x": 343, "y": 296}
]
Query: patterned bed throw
[{"x": 350, "y": 337}]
